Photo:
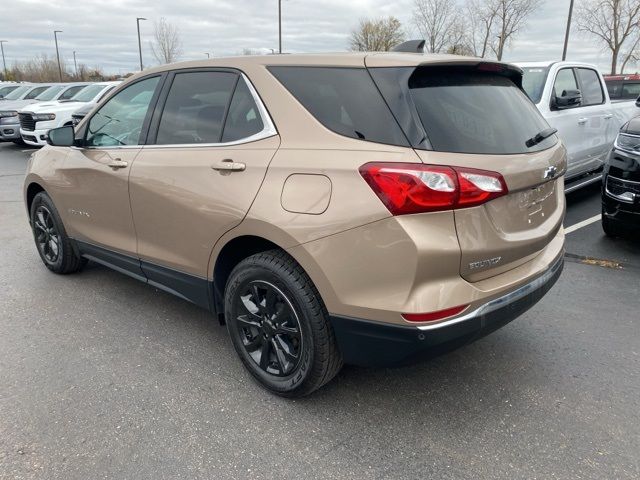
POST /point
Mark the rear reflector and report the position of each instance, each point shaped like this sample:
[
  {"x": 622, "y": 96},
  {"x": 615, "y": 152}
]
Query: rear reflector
[
  {"x": 433, "y": 316},
  {"x": 407, "y": 188}
]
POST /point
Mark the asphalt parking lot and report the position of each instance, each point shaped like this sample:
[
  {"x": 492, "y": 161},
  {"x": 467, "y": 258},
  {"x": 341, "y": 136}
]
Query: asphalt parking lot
[{"x": 105, "y": 377}]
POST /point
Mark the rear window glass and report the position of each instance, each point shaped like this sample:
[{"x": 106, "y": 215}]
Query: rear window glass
[
  {"x": 468, "y": 111},
  {"x": 345, "y": 100}
]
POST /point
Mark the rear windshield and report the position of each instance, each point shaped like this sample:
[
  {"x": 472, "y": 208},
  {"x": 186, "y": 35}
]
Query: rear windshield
[
  {"x": 345, "y": 100},
  {"x": 466, "y": 110}
]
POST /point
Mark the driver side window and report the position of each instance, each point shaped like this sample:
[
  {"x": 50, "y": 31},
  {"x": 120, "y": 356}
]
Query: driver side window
[
  {"x": 565, "y": 80},
  {"x": 119, "y": 121}
]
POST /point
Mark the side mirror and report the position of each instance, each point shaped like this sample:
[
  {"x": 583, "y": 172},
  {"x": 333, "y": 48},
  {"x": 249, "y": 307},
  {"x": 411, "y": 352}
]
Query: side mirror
[
  {"x": 61, "y": 136},
  {"x": 638, "y": 102},
  {"x": 569, "y": 99}
]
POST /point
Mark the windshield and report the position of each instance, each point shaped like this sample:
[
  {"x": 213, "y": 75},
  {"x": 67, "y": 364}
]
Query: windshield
[
  {"x": 8, "y": 89},
  {"x": 533, "y": 82},
  {"x": 17, "y": 93},
  {"x": 88, "y": 93},
  {"x": 50, "y": 93}
]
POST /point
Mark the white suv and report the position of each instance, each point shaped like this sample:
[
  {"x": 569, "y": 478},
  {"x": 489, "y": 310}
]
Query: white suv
[{"x": 38, "y": 118}]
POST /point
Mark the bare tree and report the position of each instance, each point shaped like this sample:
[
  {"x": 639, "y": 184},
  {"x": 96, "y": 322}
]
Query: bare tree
[
  {"x": 612, "y": 21},
  {"x": 633, "y": 54},
  {"x": 167, "y": 46},
  {"x": 438, "y": 21},
  {"x": 481, "y": 17},
  {"x": 509, "y": 19},
  {"x": 379, "y": 35}
]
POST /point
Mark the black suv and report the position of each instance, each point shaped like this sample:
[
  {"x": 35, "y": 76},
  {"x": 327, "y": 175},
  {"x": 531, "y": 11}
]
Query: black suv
[{"x": 621, "y": 182}]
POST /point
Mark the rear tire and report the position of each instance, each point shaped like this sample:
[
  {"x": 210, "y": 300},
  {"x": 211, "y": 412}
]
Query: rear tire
[
  {"x": 279, "y": 325},
  {"x": 53, "y": 244}
]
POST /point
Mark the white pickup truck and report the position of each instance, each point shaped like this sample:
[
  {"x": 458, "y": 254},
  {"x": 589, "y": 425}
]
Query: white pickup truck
[{"x": 573, "y": 98}]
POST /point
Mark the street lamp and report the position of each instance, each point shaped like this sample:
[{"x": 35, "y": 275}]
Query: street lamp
[
  {"x": 566, "y": 33},
  {"x": 139, "y": 43},
  {"x": 207, "y": 54},
  {"x": 4, "y": 63},
  {"x": 55, "y": 36},
  {"x": 75, "y": 63}
]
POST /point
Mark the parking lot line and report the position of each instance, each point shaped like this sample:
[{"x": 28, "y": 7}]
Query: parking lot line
[{"x": 584, "y": 223}]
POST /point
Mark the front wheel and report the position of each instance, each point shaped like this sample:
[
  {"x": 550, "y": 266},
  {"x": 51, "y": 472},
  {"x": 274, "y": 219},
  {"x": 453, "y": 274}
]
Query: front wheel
[
  {"x": 279, "y": 325},
  {"x": 52, "y": 242}
]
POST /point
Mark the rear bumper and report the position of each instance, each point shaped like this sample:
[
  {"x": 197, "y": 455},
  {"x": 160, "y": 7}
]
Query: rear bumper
[{"x": 367, "y": 343}]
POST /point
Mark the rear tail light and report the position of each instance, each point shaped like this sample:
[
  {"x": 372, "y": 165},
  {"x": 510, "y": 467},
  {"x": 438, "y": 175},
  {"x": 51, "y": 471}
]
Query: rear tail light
[
  {"x": 434, "y": 316},
  {"x": 415, "y": 188}
]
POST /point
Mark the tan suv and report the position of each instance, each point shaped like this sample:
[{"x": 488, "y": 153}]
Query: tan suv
[{"x": 359, "y": 208}]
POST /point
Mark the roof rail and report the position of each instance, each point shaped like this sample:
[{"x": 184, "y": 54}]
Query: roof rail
[{"x": 410, "y": 46}]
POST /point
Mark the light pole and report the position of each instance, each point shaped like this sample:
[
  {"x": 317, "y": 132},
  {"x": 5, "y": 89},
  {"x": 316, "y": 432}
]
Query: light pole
[
  {"x": 566, "y": 34},
  {"x": 279, "y": 26},
  {"x": 4, "y": 63},
  {"x": 75, "y": 64},
  {"x": 207, "y": 54},
  {"x": 140, "y": 43},
  {"x": 55, "y": 36}
]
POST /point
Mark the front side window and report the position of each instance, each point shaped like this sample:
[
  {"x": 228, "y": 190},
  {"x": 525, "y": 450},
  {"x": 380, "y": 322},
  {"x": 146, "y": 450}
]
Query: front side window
[
  {"x": 4, "y": 91},
  {"x": 120, "y": 120},
  {"x": 195, "y": 108},
  {"x": 565, "y": 81},
  {"x": 344, "y": 100},
  {"x": 591, "y": 88}
]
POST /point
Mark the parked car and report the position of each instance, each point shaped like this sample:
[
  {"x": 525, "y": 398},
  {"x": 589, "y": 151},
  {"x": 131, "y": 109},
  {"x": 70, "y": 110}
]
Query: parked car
[
  {"x": 37, "y": 119},
  {"x": 9, "y": 123},
  {"x": 360, "y": 208},
  {"x": 9, "y": 120},
  {"x": 572, "y": 97},
  {"x": 621, "y": 182},
  {"x": 623, "y": 87}
]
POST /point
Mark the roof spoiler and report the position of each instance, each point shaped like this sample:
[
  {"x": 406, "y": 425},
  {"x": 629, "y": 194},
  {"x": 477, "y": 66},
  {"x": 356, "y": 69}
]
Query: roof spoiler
[{"x": 410, "y": 46}]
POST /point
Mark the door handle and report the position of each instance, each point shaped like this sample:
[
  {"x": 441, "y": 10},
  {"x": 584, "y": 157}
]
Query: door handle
[
  {"x": 608, "y": 116},
  {"x": 582, "y": 120},
  {"x": 117, "y": 163},
  {"x": 229, "y": 165}
]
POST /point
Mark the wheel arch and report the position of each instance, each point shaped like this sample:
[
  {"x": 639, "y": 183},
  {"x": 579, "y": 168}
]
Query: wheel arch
[{"x": 32, "y": 189}]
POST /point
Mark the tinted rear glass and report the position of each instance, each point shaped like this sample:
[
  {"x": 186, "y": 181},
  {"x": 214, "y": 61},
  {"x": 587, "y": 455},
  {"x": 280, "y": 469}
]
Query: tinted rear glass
[
  {"x": 591, "y": 87},
  {"x": 469, "y": 111},
  {"x": 345, "y": 100}
]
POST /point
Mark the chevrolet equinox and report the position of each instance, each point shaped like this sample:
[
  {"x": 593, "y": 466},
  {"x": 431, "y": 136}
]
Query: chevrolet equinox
[{"x": 353, "y": 208}]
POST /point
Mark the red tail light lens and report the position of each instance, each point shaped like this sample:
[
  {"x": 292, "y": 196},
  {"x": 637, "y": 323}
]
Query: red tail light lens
[{"x": 415, "y": 188}]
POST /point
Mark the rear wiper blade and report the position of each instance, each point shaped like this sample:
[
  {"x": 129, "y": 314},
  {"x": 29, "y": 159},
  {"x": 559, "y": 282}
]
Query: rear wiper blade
[{"x": 544, "y": 134}]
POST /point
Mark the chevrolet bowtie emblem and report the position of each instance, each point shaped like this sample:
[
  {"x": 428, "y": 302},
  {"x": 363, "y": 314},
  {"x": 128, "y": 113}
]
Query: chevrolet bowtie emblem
[{"x": 550, "y": 172}]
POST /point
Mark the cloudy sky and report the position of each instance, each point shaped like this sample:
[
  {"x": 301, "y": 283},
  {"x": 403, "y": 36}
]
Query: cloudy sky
[{"x": 103, "y": 33}]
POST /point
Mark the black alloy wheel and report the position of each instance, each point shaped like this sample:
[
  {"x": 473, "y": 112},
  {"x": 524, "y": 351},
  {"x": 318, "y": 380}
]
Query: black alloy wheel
[
  {"x": 47, "y": 235},
  {"x": 269, "y": 328}
]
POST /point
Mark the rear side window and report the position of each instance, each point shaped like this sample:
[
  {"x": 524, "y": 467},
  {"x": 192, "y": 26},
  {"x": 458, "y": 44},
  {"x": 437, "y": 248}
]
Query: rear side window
[
  {"x": 591, "y": 88},
  {"x": 470, "y": 111},
  {"x": 195, "y": 108},
  {"x": 345, "y": 100},
  {"x": 631, "y": 90},
  {"x": 243, "y": 119}
]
